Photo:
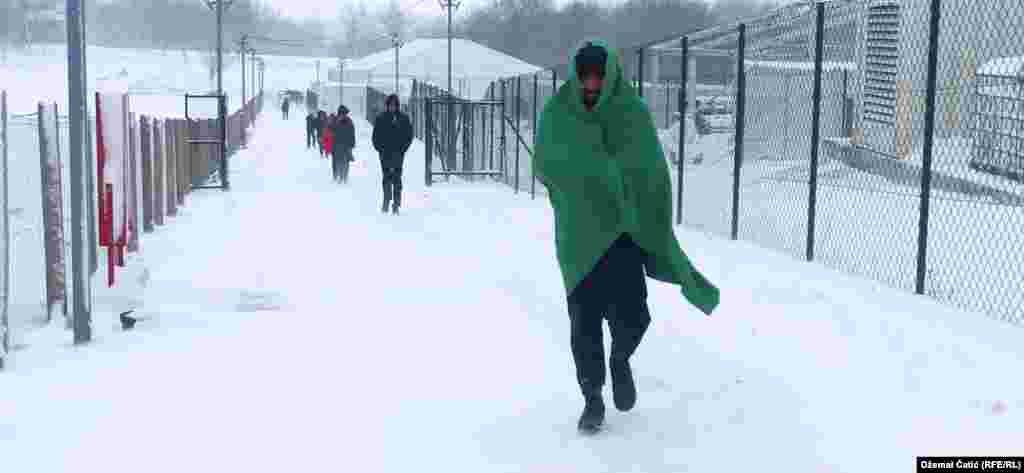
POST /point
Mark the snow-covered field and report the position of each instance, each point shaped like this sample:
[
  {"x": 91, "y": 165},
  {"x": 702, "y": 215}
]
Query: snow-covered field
[
  {"x": 157, "y": 82},
  {"x": 289, "y": 326}
]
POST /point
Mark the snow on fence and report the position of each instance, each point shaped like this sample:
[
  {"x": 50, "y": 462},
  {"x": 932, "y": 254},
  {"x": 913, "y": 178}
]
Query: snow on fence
[
  {"x": 747, "y": 169},
  {"x": 160, "y": 169}
]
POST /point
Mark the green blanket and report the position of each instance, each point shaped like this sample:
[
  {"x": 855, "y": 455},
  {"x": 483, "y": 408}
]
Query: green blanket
[{"x": 606, "y": 175}]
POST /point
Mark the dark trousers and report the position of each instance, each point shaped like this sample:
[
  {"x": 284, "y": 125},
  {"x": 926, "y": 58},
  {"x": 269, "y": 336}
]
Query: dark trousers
[
  {"x": 340, "y": 162},
  {"x": 392, "y": 186},
  {"x": 310, "y": 139},
  {"x": 615, "y": 290}
]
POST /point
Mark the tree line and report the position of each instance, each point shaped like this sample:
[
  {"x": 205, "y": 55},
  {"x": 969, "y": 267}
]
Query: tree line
[{"x": 539, "y": 32}]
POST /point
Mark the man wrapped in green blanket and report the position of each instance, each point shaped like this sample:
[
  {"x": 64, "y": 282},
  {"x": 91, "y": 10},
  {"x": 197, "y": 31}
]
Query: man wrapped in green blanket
[{"x": 598, "y": 154}]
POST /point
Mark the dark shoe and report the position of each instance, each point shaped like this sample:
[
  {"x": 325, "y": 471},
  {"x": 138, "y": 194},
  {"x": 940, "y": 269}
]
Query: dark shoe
[
  {"x": 127, "y": 322},
  {"x": 384, "y": 208},
  {"x": 592, "y": 418},
  {"x": 623, "y": 387}
]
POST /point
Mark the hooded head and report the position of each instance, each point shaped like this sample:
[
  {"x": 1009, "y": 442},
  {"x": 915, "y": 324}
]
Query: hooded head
[
  {"x": 391, "y": 103},
  {"x": 597, "y": 73}
]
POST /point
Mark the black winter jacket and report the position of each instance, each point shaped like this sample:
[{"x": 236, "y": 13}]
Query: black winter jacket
[
  {"x": 344, "y": 134},
  {"x": 392, "y": 136}
]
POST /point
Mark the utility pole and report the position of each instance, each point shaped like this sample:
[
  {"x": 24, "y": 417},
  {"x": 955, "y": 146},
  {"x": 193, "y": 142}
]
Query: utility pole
[
  {"x": 450, "y": 4},
  {"x": 218, "y": 6},
  {"x": 252, "y": 75},
  {"x": 242, "y": 43},
  {"x": 398, "y": 44}
]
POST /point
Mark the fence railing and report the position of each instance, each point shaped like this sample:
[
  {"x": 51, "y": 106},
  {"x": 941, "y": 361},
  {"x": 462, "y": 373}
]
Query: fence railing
[
  {"x": 160, "y": 170},
  {"x": 884, "y": 139}
]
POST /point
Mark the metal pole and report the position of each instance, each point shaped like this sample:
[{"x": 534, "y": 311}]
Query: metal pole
[
  {"x": 244, "y": 91},
  {"x": 533, "y": 172},
  {"x": 501, "y": 121},
  {"x": 741, "y": 96},
  {"x": 429, "y": 144},
  {"x": 220, "y": 46},
  {"x": 397, "y": 46},
  {"x": 640, "y": 71},
  {"x": 490, "y": 129},
  {"x": 929, "y": 141},
  {"x": 519, "y": 134},
  {"x": 5, "y": 338},
  {"x": 242, "y": 54},
  {"x": 222, "y": 106},
  {"x": 812, "y": 204},
  {"x": 449, "y": 4},
  {"x": 680, "y": 163}
]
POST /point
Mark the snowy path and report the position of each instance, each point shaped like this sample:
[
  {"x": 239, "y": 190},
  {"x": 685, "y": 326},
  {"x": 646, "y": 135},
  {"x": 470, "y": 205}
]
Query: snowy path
[{"x": 292, "y": 327}]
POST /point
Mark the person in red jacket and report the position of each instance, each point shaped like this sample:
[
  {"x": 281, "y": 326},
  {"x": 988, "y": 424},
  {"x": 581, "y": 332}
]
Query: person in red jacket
[{"x": 328, "y": 137}]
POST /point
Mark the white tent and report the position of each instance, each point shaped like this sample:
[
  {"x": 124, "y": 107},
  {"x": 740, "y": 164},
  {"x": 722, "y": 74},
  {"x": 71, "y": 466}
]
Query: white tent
[{"x": 474, "y": 67}]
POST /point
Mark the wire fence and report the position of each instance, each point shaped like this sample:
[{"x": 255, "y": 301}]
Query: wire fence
[
  {"x": 882, "y": 138},
  {"x": 35, "y": 208}
]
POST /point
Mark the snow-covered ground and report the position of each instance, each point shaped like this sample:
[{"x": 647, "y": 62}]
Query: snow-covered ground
[
  {"x": 292, "y": 327},
  {"x": 157, "y": 82}
]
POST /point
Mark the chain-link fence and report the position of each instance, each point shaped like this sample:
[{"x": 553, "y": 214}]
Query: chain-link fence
[{"x": 884, "y": 138}]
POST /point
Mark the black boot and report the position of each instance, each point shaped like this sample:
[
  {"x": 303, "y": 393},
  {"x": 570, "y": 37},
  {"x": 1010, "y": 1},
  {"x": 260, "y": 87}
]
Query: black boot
[
  {"x": 592, "y": 418},
  {"x": 384, "y": 208},
  {"x": 623, "y": 387}
]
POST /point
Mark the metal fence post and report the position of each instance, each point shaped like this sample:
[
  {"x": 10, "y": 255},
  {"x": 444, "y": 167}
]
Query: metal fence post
[
  {"x": 5, "y": 233},
  {"x": 812, "y": 204},
  {"x": 741, "y": 97},
  {"x": 501, "y": 121},
  {"x": 533, "y": 172},
  {"x": 519, "y": 133},
  {"x": 222, "y": 107},
  {"x": 680, "y": 163},
  {"x": 428, "y": 121},
  {"x": 929, "y": 139},
  {"x": 640, "y": 71}
]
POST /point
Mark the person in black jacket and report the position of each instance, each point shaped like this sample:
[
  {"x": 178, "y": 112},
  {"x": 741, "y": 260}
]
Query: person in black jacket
[
  {"x": 321, "y": 122},
  {"x": 311, "y": 133},
  {"x": 344, "y": 141},
  {"x": 392, "y": 135}
]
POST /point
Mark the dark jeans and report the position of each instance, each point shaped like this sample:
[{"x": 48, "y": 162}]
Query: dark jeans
[
  {"x": 339, "y": 164},
  {"x": 309, "y": 139},
  {"x": 616, "y": 290},
  {"x": 392, "y": 186}
]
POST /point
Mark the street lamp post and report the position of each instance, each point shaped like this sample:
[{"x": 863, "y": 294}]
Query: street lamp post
[
  {"x": 218, "y": 6},
  {"x": 398, "y": 43}
]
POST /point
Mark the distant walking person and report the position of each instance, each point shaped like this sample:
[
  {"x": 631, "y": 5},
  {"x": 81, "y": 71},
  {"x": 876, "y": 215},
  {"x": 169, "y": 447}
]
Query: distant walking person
[
  {"x": 392, "y": 135},
  {"x": 597, "y": 153},
  {"x": 328, "y": 138},
  {"x": 344, "y": 141},
  {"x": 284, "y": 108},
  {"x": 311, "y": 129},
  {"x": 321, "y": 123}
]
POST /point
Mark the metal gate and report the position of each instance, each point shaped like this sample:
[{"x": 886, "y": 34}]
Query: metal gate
[
  {"x": 207, "y": 150},
  {"x": 463, "y": 134}
]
